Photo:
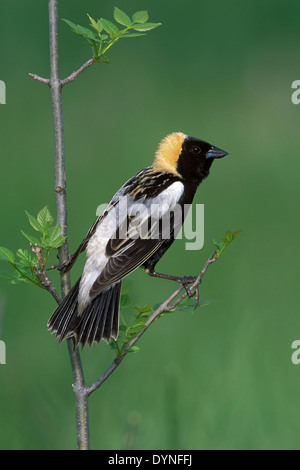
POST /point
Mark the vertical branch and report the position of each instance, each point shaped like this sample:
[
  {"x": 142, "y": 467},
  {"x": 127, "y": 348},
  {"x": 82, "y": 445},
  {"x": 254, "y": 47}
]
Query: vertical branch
[
  {"x": 60, "y": 176},
  {"x": 55, "y": 84}
]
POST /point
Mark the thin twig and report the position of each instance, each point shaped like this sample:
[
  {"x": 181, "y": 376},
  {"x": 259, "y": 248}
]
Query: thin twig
[
  {"x": 39, "y": 79},
  {"x": 42, "y": 275},
  {"x": 75, "y": 74},
  {"x": 164, "y": 307}
]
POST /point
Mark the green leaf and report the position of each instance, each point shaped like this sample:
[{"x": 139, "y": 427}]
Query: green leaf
[
  {"x": 30, "y": 238},
  {"x": 24, "y": 274},
  {"x": 45, "y": 219},
  {"x": 104, "y": 59},
  {"x": 217, "y": 244},
  {"x": 230, "y": 236},
  {"x": 77, "y": 29},
  {"x": 97, "y": 25},
  {"x": 143, "y": 310},
  {"x": 73, "y": 26},
  {"x": 137, "y": 325},
  {"x": 58, "y": 242},
  {"x": 145, "y": 26},
  {"x": 80, "y": 30},
  {"x": 121, "y": 17},
  {"x": 109, "y": 27},
  {"x": 35, "y": 224},
  {"x": 55, "y": 232},
  {"x": 54, "y": 240},
  {"x": 132, "y": 35},
  {"x": 235, "y": 234},
  {"x": 140, "y": 17},
  {"x": 113, "y": 344},
  {"x": 26, "y": 259},
  {"x": 133, "y": 349},
  {"x": 7, "y": 254},
  {"x": 87, "y": 34}
]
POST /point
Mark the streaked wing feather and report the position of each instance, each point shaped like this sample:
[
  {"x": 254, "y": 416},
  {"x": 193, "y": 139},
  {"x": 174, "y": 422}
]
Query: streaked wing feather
[{"x": 120, "y": 265}]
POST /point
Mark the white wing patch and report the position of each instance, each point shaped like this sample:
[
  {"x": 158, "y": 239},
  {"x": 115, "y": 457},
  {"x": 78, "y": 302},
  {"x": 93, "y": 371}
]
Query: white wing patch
[{"x": 170, "y": 196}]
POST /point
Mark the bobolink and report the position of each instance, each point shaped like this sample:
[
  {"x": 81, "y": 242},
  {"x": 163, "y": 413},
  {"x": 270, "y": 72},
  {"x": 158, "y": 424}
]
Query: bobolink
[{"x": 129, "y": 234}]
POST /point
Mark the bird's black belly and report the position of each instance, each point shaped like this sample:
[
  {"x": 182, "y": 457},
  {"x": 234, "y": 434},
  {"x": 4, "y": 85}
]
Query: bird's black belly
[{"x": 153, "y": 260}]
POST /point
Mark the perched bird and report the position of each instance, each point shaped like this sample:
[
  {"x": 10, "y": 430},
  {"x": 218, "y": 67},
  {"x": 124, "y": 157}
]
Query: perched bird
[{"x": 137, "y": 227}]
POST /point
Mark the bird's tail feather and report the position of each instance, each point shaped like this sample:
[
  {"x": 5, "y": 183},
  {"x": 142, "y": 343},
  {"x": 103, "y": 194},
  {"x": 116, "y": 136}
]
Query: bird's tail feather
[{"x": 99, "y": 320}]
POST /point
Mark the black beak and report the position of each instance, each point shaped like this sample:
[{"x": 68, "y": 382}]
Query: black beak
[{"x": 215, "y": 152}]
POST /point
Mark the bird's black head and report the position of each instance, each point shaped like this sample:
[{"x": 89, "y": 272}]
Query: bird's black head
[
  {"x": 196, "y": 158},
  {"x": 186, "y": 157}
]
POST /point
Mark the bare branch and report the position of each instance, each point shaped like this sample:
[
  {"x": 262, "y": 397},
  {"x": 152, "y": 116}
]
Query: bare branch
[
  {"x": 39, "y": 79},
  {"x": 42, "y": 275},
  {"x": 66, "y": 80},
  {"x": 75, "y": 74}
]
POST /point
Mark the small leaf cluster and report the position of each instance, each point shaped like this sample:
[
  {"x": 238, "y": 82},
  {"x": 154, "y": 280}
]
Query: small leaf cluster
[
  {"x": 224, "y": 242},
  {"x": 103, "y": 33},
  {"x": 50, "y": 238},
  {"x": 25, "y": 263},
  {"x": 128, "y": 332}
]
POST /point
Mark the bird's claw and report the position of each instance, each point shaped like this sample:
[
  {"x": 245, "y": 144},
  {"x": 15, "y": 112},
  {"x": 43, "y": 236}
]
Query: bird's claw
[{"x": 189, "y": 280}]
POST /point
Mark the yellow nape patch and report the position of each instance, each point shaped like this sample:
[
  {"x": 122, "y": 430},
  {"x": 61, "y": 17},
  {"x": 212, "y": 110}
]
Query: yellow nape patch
[{"x": 168, "y": 152}]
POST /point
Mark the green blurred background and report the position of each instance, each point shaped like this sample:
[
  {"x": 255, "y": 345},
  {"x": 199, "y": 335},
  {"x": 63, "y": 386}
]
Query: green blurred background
[{"x": 221, "y": 70}]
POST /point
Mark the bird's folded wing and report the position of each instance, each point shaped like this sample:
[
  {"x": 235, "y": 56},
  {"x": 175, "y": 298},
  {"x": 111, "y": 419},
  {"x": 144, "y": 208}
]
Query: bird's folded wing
[{"x": 132, "y": 244}]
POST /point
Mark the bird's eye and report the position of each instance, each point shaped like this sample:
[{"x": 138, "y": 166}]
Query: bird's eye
[{"x": 196, "y": 150}]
